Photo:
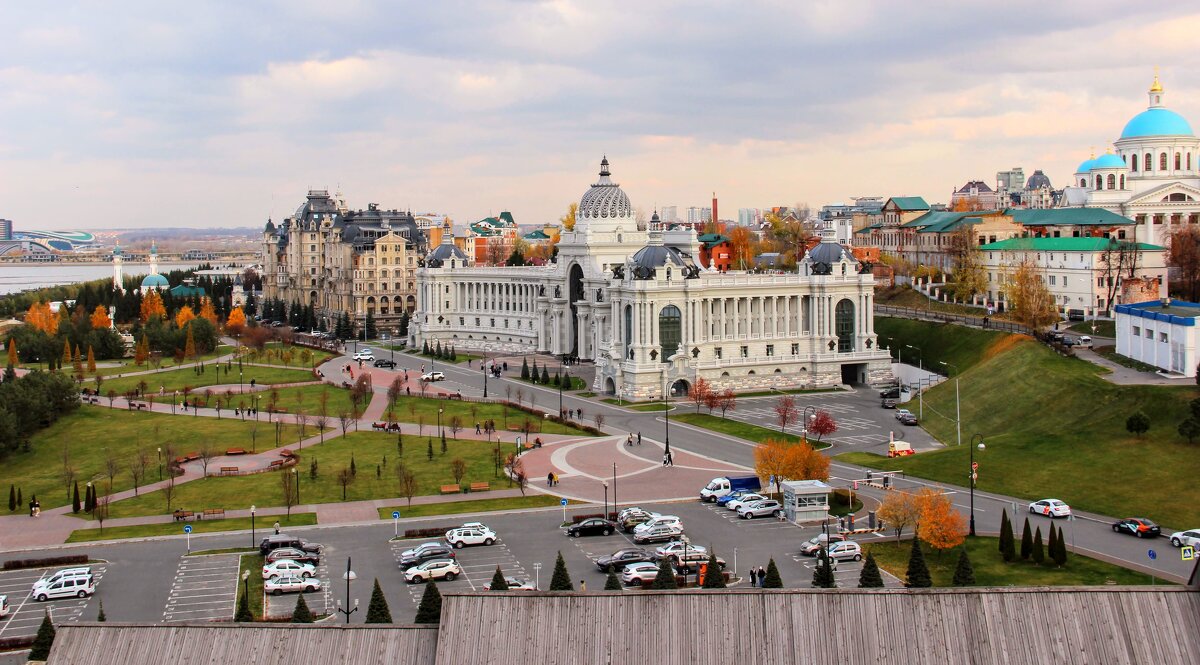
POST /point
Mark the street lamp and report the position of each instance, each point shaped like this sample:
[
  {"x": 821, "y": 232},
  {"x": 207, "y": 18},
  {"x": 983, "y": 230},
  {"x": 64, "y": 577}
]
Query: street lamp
[
  {"x": 614, "y": 487},
  {"x": 252, "y": 538},
  {"x": 920, "y": 355},
  {"x": 560, "y": 393},
  {"x": 806, "y": 420},
  {"x": 174, "y": 398},
  {"x": 246, "y": 585},
  {"x": 605, "y": 483},
  {"x": 441, "y": 432},
  {"x": 667, "y": 417},
  {"x": 160, "y": 465},
  {"x": 349, "y": 576},
  {"x": 974, "y": 475},
  {"x": 486, "y": 371}
]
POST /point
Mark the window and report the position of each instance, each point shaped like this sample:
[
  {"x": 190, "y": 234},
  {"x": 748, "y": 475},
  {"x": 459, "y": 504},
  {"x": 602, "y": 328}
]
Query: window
[
  {"x": 844, "y": 325},
  {"x": 1064, "y": 281},
  {"x": 1149, "y": 334},
  {"x": 1162, "y": 337},
  {"x": 1178, "y": 161},
  {"x": 745, "y": 352},
  {"x": 795, "y": 349},
  {"x": 1099, "y": 182},
  {"x": 312, "y": 248},
  {"x": 1134, "y": 164},
  {"x": 1112, "y": 181},
  {"x": 1149, "y": 163},
  {"x": 1189, "y": 161},
  {"x": 462, "y": 321},
  {"x": 717, "y": 352},
  {"x": 669, "y": 330},
  {"x": 770, "y": 349},
  {"x": 1122, "y": 181},
  {"x": 1052, "y": 280},
  {"x": 1162, "y": 162}
]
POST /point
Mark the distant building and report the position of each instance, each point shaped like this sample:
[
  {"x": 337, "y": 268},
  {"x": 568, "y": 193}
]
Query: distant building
[
  {"x": 1160, "y": 333},
  {"x": 669, "y": 214},
  {"x": 1012, "y": 180},
  {"x": 975, "y": 195},
  {"x": 749, "y": 217},
  {"x": 490, "y": 241},
  {"x": 698, "y": 215},
  {"x": 716, "y": 251},
  {"x": 6, "y": 229}
]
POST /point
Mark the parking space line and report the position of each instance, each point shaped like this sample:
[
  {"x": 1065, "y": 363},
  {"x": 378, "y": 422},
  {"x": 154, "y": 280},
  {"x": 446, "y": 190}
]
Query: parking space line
[
  {"x": 204, "y": 589},
  {"x": 27, "y": 616}
]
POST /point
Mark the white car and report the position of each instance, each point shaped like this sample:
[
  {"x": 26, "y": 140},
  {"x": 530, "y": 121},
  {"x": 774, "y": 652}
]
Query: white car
[
  {"x": 1191, "y": 538},
  {"x": 902, "y": 413},
  {"x": 470, "y": 525},
  {"x": 437, "y": 569},
  {"x": 636, "y": 574},
  {"x": 3, "y": 606},
  {"x": 433, "y": 376},
  {"x": 1050, "y": 508},
  {"x": 661, "y": 520},
  {"x": 66, "y": 587},
  {"x": 743, "y": 500},
  {"x": 83, "y": 571},
  {"x": 763, "y": 508},
  {"x": 288, "y": 568},
  {"x": 291, "y": 584},
  {"x": 847, "y": 549},
  {"x": 460, "y": 538},
  {"x": 514, "y": 584},
  {"x": 364, "y": 354},
  {"x": 677, "y": 547}
]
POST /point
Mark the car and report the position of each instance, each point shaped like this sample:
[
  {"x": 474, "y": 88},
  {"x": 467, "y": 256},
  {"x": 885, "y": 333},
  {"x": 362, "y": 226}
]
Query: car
[
  {"x": 1137, "y": 526},
  {"x": 423, "y": 553},
  {"x": 81, "y": 571},
  {"x": 364, "y": 354},
  {"x": 294, "y": 555},
  {"x": 900, "y": 413},
  {"x": 1050, "y": 508},
  {"x": 661, "y": 520},
  {"x": 384, "y": 362},
  {"x": 460, "y": 538},
  {"x": 888, "y": 403},
  {"x": 272, "y": 543},
  {"x": 437, "y": 569},
  {"x": 622, "y": 558},
  {"x": 686, "y": 563},
  {"x": 1084, "y": 341},
  {"x": 659, "y": 534},
  {"x": 514, "y": 584},
  {"x": 678, "y": 547},
  {"x": 470, "y": 525},
  {"x": 625, "y": 512},
  {"x": 3, "y": 606},
  {"x": 760, "y": 509},
  {"x": 845, "y": 550},
  {"x": 591, "y": 527},
  {"x": 637, "y": 574},
  {"x": 814, "y": 544},
  {"x": 291, "y": 584},
  {"x": 65, "y": 587},
  {"x": 908, "y": 419},
  {"x": 893, "y": 392},
  {"x": 288, "y": 568},
  {"x": 277, "y": 324},
  {"x": 1191, "y": 538},
  {"x": 433, "y": 376},
  {"x": 744, "y": 499},
  {"x": 633, "y": 520},
  {"x": 733, "y": 496}
]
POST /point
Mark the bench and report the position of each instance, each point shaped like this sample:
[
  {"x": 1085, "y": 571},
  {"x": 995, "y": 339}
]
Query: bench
[
  {"x": 451, "y": 489},
  {"x": 514, "y": 428},
  {"x": 480, "y": 487},
  {"x": 182, "y": 515},
  {"x": 457, "y": 396},
  {"x": 286, "y": 453},
  {"x": 275, "y": 464},
  {"x": 235, "y": 451},
  {"x": 214, "y": 512},
  {"x": 139, "y": 406},
  {"x": 529, "y": 446},
  {"x": 226, "y": 470}
]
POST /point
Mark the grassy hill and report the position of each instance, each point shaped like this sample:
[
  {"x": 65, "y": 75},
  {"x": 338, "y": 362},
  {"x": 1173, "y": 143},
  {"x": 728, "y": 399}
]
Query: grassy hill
[
  {"x": 1055, "y": 428},
  {"x": 961, "y": 346}
]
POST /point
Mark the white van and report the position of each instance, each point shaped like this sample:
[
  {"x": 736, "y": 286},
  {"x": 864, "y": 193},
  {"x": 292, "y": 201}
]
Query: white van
[
  {"x": 3, "y": 606},
  {"x": 82, "y": 571},
  {"x": 67, "y": 587}
]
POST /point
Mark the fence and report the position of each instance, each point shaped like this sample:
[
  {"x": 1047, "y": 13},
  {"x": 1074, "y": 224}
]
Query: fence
[{"x": 962, "y": 319}]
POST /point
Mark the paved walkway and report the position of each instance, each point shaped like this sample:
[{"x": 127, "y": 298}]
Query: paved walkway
[{"x": 1126, "y": 376}]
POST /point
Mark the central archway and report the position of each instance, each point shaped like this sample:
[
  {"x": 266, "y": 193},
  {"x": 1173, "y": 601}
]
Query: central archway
[
  {"x": 680, "y": 388},
  {"x": 844, "y": 325},
  {"x": 575, "y": 294}
]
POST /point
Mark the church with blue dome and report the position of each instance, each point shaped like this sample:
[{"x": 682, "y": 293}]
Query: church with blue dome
[{"x": 1150, "y": 175}]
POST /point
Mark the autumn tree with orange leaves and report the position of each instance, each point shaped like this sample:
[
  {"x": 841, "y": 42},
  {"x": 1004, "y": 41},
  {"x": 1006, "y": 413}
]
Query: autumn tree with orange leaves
[
  {"x": 940, "y": 524},
  {"x": 785, "y": 460},
  {"x": 40, "y": 317},
  {"x": 742, "y": 246},
  {"x": 208, "y": 312},
  {"x": 236, "y": 321},
  {"x": 100, "y": 318},
  {"x": 152, "y": 306},
  {"x": 899, "y": 510},
  {"x": 701, "y": 393},
  {"x": 184, "y": 316},
  {"x": 12, "y": 352}
]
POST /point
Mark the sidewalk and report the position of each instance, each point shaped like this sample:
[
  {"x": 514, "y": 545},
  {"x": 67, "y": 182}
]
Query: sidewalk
[{"x": 1126, "y": 376}]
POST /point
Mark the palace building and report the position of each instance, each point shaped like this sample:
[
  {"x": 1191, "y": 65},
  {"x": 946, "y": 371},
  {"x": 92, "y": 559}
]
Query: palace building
[{"x": 650, "y": 316}]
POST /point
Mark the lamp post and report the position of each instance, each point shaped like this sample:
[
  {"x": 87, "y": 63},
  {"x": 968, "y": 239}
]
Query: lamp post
[
  {"x": 560, "y": 394},
  {"x": 253, "y": 539},
  {"x": 486, "y": 371},
  {"x": 806, "y": 420},
  {"x": 614, "y": 487},
  {"x": 667, "y": 416},
  {"x": 256, "y": 398},
  {"x": 160, "y": 465},
  {"x": 899, "y": 351},
  {"x": 441, "y": 433},
  {"x": 605, "y": 483},
  {"x": 974, "y": 475},
  {"x": 349, "y": 576},
  {"x": 246, "y": 585},
  {"x": 920, "y": 355}
]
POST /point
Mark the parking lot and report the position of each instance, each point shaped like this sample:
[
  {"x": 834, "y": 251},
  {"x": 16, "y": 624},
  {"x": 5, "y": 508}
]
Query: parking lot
[
  {"x": 319, "y": 602},
  {"x": 25, "y": 613},
  {"x": 478, "y": 565},
  {"x": 205, "y": 588}
]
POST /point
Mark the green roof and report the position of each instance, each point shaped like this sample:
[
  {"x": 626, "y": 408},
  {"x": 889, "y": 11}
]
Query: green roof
[
  {"x": 507, "y": 217},
  {"x": 867, "y": 229},
  {"x": 712, "y": 239},
  {"x": 909, "y": 202},
  {"x": 1084, "y": 244},
  {"x": 186, "y": 291},
  {"x": 536, "y": 235},
  {"x": 1068, "y": 216},
  {"x": 940, "y": 221}
]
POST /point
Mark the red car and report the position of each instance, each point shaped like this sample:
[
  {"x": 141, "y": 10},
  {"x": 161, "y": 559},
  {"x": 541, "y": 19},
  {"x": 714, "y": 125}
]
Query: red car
[{"x": 1137, "y": 526}]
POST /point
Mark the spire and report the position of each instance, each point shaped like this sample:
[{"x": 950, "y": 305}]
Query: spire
[
  {"x": 604, "y": 166},
  {"x": 1156, "y": 91},
  {"x": 1156, "y": 86}
]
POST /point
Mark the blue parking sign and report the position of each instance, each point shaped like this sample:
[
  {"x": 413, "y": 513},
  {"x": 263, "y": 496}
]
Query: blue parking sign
[
  {"x": 563, "y": 502},
  {"x": 395, "y": 514},
  {"x": 187, "y": 528},
  {"x": 1152, "y": 554}
]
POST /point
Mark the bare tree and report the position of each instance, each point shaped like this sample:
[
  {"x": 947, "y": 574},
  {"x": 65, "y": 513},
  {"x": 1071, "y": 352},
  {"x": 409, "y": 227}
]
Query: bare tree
[
  {"x": 458, "y": 469},
  {"x": 302, "y": 420},
  {"x": 111, "y": 465},
  {"x": 424, "y": 386},
  {"x": 137, "y": 467},
  {"x": 344, "y": 478},
  {"x": 344, "y": 421},
  {"x": 786, "y": 412},
  {"x": 455, "y": 425},
  {"x": 287, "y": 480},
  {"x": 1183, "y": 254},
  {"x": 207, "y": 453},
  {"x": 1118, "y": 260},
  {"x": 101, "y": 511},
  {"x": 727, "y": 402},
  {"x": 408, "y": 482},
  {"x": 394, "y": 391},
  {"x": 520, "y": 397},
  {"x": 518, "y": 474},
  {"x": 169, "y": 488},
  {"x": 599, "y": 421},
  {"x": 321, "y": 421},
  {"x": 421, "y": 425},
  {"x": 68, "y": 469},
  {"x": 111, "y": 395}
]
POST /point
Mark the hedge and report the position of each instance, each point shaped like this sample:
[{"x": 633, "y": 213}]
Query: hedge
[{"x": 46, "y": 562}]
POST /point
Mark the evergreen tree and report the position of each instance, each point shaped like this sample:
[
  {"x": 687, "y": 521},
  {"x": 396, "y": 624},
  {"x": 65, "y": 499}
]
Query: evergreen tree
[
  {"x": 498, "y": 581},
  {"x": 1039, "y": 552},
  {"x": 404, "y": 324},
  {"x": 12, "y": 497},
  {"x": 714, "y": 577},
  {"x": 1060, "y": 555},
  {"x": 772, "y": 580},
  {"x": 524, "y": 369},
  {"x": 870, "y": 578},
  {"x": 556, "y": 380},
  {"x": 353, "y": 469},
  {"x": 1003, "y": 525},
  {"x": 964, "y": 574},
  {"x": 437, "y": 351},
  {"x": 613, "y": 583},
  {"x": 44, "y": 639},
  {"x": 1052, "y": 543},
  {"x": 425, "y": 348},
  {"x": 75, "y": 498},
  {"x": 430, "y": 609},
  {"x": 377, "y": 610},
  {"x": 534, "y": 376},
  {"x": 665, "y": 579},
  {"x": 302, "y": 614},
  {"x": 370, "y": 326},
  {"x": 243, "y": 614},
  {"x": 561, "y": 579},
  {"x": 101, "y": 617},
  {"x": 545, "y": 375},
  {"x": 1008, "y": 549},
  {"x": 20, "y": 500},
  {"x": 453, "y": 355},
  {"x": 823, "y": 574},
  {"x": 1026, "y": 541},
  {"x": 429, "y": 441},
  {"x": 918, "y": 572}
]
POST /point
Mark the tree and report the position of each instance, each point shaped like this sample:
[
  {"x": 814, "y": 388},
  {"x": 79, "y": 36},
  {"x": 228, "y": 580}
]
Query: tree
[
  {"x": 41, "y": 318},
  {"x": 1138, "y": 424},
  {"x": 786, "y": 412},
  {"x": 1028, "y": 297},
  {"x": 545, "y": 376},
  {"x": 823, "y": 574},
  {"x": 727, "y": 401},
  {"x": 964, "y": 574},
  {"x": 456, "y": 424},
  {"x": 207, "y": 453},
  {"x": 969, "y": 276},
  {"x": 184, "y": 316},
  {"x": 940, "y": 524},
  {"x": 524, "y": 367},
  {"x": 458, "y": 469},
  {"x": 1026, "y": 541},
  {"x": 74, "y": 499},
  {"x": 243, "y": 614},
  {"x": 1183, "y": 253},
  {"x": 899, "y": 510},
  {"x": 101, "y": 617},
  {"x": 302, "y": 614},
  {"x": 44, "y": 639},
  {"x": 207, "y": 311},
  {"x": 152, "y": 307},
  {"x": 99, "y": 318},
  {"x": 870, "y": 578},
  {"x": 1039, "y": 550},
  {"x": 91, "y": 365},
  {"x": 407, "y": 481},
  {"x": 369, "y": 325},
  {"x": 1118, "y": 261},
  {"x": 498, "y": 581},
  {"x": 345, "y": 478},
  {"x": 613, "y": 583},
  {"x": 430, "y": 609},
  {"x": 561, "y": 579},
  {"x": 701, "y": 393},
  {"x": 12, "y": 498},
  {"x": 1007, "y": 542},
  {"x": 1052, "y": 543},
  {"x": 823, "y": 424},
  {"x": 917, "y": 575},
  {"x": 714, "y": 578},
  {"x": 287, "y": 481},
  {"x": 568, "y": 220},
  {"x": 377, "y": 610},
  {"x": 772, "y": 580},
  {"x": 236, "y": 321},
  {"x": 741, "y": 244},
  {"x": 1059, "y": 553},
  {"x": 665, "y": 579},
  {"x": 1189, "y": 429},
  {"x": 771, "y": 461},
  {"x": 189, "y": 348},
  {"x": 66, "y": 356}
]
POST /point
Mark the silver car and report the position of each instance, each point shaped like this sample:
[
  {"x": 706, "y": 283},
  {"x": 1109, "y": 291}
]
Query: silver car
[
  {"x": 291, "y": 584},
  {"x": 762, "y": 508}
]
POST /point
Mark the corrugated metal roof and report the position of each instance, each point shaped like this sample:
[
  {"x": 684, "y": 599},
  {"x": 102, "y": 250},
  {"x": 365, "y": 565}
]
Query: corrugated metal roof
[
  {"x": 1081, "y": 244},
  {"x": 1065, "y": 216},
  {"x": 909, "y": 202},
  {"x": 994, "y": 626},
  {"x": 257, "y": 644}
]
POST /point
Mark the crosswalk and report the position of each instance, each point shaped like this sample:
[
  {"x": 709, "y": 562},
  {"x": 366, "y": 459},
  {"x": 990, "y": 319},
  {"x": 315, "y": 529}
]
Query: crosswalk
[{"x": 26, "y": 614}]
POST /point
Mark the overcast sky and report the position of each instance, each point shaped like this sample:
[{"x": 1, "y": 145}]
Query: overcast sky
[{"x": 134, "y": 114}]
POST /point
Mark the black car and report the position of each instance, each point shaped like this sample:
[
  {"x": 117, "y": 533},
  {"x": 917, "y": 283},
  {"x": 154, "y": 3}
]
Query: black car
[
  {"x": 384, "y": 362},
  {"x": 592, "y": 527},
  {"x": 908, "y": 419},
  {"x": 1137, "y": 526},
  {"x": 272, "y": 543},
  {"x": 293, "y": 554},
  {"x": 622, "y": 558},
  {"x": 424, "y": 553},
  {"x": 890, "y": 393}
]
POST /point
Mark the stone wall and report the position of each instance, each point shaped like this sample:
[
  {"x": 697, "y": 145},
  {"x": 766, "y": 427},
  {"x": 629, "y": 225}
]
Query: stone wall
[{"x": 1140, "y": 289}]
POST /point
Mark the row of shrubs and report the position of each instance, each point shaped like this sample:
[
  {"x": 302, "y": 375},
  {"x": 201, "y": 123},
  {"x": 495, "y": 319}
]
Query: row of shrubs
[{"x": 46, "y": 562}]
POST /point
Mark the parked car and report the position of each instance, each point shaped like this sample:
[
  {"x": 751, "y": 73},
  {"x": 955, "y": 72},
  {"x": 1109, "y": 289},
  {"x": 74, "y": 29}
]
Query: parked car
[
  {"x": 908, "y": 419},
  {"x": 733, "y": 496},
  {"x": 687, "y": 563},
  {"x": 272, "y": 543},
  {"x": 66, "y": 587},
  {"x": 813, "y": 545},
  {"x": 892, "y": 392},
  {"x": 438, "y": 569},
  {"x": 514, "y": 584},
  {"x": 288, "y": 568},
  {"x": 661, "y": 520},
  {"x": 622, "y": 558},
  {"x": 1190, "y": 538},
  {"x": 760, "y": 509},
  {"x": 845, "y": 550},
  {"x": 294, "y": 555},
  {"x": 384, "y": 362},
  {"x": 888, "y": 403},
  {"x": 1084, "y": 341},
  {"x": 1050, "y": 508},
  {"x": 425, "y": 552},
  {"x": 678, "y": 547},
  {"x": 81, "y": 571},
  {"x": 625, "y": 512},
  {"x": 433, "y": 376},
  {"x": 637, "y": 574},
  {"x": 594, "y": 526},
  {"x": 3, "y": 606},
  {"x": 460, "y": 538},
  {"x": 470, "y": 525},
  {"x": 659, "y": 534},
  {"x": 743, "y": 500},
  {"x": 291, "y": 584},
  {"x": 366, "y": 355},
  {"x": 633, "y": 520},
  {"x": 1137, "y": 526},
  {"x": 719, "y": 487},
  {"x": 900, "y": 413}
]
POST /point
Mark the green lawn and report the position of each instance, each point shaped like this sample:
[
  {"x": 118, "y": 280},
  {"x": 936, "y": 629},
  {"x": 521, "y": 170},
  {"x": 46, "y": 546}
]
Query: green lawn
[
  {"x": 740, "y": 429},
  {"x": 576, "y": 383},
  {"x": 1103, "y": 328},
  {"x": 368, "y": 450},
  {"x": 178, "y": 379},
  {"x": 906, "y": 296},
  {"x": 127, "y": 365},
  {"x": 1110, "y": 353},
  {"x": 199, "y": 526},
  {"x": 308, "y": 399},
  {"x": 410, "y": 409},
  {"x": 991, "y": 570},
  {"x": 281, "y": 355},
  {"x": 92, "y": 430},
  {"x": 254, "y": 564},
  {"x": 956, "y": 345},
  {"x": 478, "y": 506},
  {"x": 1053, "y": 427}
]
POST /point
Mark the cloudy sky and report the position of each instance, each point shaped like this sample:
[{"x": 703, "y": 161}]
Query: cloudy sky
[{"x": 134, "y": 114}]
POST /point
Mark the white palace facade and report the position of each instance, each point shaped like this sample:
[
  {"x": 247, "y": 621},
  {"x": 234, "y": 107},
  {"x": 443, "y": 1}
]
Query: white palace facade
[{"x": 638, "y": 305}]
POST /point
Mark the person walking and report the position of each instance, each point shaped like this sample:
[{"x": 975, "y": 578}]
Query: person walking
[
  {"x": 629, "y": 440},
  {"x": 753, "y": 576},
  {"x": 550, "y": 479},
  {"x": 639, "y": 438},
  {"x": 670, "y": 459},
  {"x": 582, "y": 586},
  {"x": 276, "y": 528},
  {"x": 477, "y": 431},
  {"x": 665, "y": 459}
]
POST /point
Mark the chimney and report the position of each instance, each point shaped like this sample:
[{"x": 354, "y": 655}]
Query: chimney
[
  {"x": 715, "y": 217},
  {"x": 1166, "y": 303}
]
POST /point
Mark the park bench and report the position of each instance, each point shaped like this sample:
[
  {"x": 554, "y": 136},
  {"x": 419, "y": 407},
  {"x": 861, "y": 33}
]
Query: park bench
[
  {"x": 279, "y": 409},
  {"x": 286, "y": 453},
  {"x": 214, "y": 512},
  {"x": 451, "y": 489},
  {"x": 514, "y": 428},
  {"x": 480, "y": 487},
  {"x": 393, "y": 427},
  {"x": 381, "y": 426},
  {"x": 275, "y": 464},
  {"x": 227, "y": 470},
  {"x": 235, "y": 451},
  {"x": 139, "y": 406},
  {"x": 457, "y": 396},
  {"x": 183, "y": 515}
]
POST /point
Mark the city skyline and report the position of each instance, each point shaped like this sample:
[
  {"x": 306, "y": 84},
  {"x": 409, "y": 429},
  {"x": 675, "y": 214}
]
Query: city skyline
[{"x": 224, "y": 115}]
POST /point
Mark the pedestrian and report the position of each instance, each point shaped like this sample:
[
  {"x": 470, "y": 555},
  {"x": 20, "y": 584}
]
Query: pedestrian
[
  {"x": 276, "y": 528},
  {"x": 556, "y": 479},
  {"x": 550, "y": 479},
  {"x": 477, "y": 431},
  {"x": 583, "y": 586},
  {"x": 407, "y": 391},
  {"x": 665, "y": 458},
  {"x": 753, "y": 576},
  {"x": 670, "y": 459},
  {"x": 37, "y": 507},
  {"x": 629, "y": 440},
  {"x": 505, "y": 367},
  {"x": 31, "y": 507},
  {"x": 639, "y": 438}
]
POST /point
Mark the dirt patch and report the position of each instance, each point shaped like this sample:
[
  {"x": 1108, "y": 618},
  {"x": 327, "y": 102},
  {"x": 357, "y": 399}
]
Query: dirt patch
[{"x": 1005, "y": 343}]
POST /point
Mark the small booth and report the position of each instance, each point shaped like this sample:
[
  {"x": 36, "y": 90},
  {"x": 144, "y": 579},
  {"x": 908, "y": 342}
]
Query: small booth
[{"x": 806, "y": 500}]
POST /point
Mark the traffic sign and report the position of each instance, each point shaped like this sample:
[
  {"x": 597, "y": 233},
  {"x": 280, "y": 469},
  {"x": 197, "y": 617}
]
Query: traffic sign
[
  {"x": 395, "y": 514},
  {"x": 974, "y": 476},
  {"x": 187, "y": 528},
  {"x": 1188, "y": 553},
  {"x": 562, "y": 502},
  {"x": 1152, "y": 554},
  {"x": 974, "y": 466}
]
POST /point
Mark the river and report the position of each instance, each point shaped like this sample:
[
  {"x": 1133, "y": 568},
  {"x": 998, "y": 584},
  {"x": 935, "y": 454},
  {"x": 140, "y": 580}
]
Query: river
[{"x": 17, "y": 277}]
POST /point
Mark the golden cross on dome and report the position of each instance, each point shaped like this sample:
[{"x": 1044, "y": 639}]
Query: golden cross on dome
[{"x": 1156, "y": 86}]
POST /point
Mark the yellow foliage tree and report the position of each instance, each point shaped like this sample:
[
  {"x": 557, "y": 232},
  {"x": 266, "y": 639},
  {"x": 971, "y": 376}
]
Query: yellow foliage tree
[
  {"x": 789, "y": 461},
  {"x": 236, "y": 320},
  {"x": 899, "y": 511},
  {"x": 742, "y": 244},
  {"x": 12, "y": 353},
  {"x": 78, "y": 361},
  {"x": 207, "y": 311},
  {"x": 1028, "y": 296},
  {"x": 142, "y": 351},
  {"x": 805, "y": 463},
  {"x": 183, "y": 316},
  {"x": 568, "y": 220},
  {"x": 40, "y": 317},
  {"x": 152, "y": 306},
  {"x": 941, "y": 525},
  {"x": 100, "y": 318},
  {"x": 91, "y": 360},
  {"x": 771, "y": 460},
  {"x": 189, "y": 350},
  {"x": 66, "y": 357}
]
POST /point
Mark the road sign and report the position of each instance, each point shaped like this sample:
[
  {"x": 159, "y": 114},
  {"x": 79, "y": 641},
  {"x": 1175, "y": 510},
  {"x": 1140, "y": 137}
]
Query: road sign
[
  {"x": 395, "y": 514},
  {"x": 562, "y": 502},
  {"x": 974, "y": 476},
  {"x": 1188, "y": 553},
  {"x": 187, "y": 528},
  {"x": 1152, "y": 554},
  {"x": 974, "y": 466}
]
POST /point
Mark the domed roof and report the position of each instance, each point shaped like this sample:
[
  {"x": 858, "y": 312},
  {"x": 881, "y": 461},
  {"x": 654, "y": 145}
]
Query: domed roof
[
  {"x": 1108, "y": 161},
  {"x": 604, "y": 200},
  {"x": 155, "y": 281},
  {"x": 444, "y": 252},
  {"x": 657, "y": 256},
  {"x": 828, "y": 252},
  {"x": 1086, "y": 166},
  {"x": 1038, "y": 180},
  {"x": 1157, "y": 122}
]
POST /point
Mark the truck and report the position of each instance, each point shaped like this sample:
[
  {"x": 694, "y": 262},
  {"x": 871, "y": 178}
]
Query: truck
[{"x": 719, "y": 487}]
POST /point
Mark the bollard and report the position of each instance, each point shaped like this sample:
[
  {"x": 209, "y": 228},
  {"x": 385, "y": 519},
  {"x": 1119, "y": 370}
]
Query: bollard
[
  {"x": 871, "y": 518},
  {"x": 851, "y": 519},
  {"x": 886, "y": 481},
  {"x": 868, "y": 476}
]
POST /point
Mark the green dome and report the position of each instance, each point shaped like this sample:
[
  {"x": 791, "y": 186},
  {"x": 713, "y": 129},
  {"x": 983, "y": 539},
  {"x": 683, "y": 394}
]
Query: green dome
[{"x": 154, "y": 282}]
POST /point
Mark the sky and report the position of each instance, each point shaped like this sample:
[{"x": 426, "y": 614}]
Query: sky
[{"x": 164, "y": 114}]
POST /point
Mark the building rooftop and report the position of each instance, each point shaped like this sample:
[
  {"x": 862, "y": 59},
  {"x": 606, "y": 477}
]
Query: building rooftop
[
  {"x": 1084, "y": 244},
  {"x": 909, "y": 203},
  {"x": 1179, "y": 312}
]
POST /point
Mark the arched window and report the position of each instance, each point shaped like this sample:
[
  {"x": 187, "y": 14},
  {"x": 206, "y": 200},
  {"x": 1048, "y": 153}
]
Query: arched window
[
  {"x": 1133, "y": 164},
  {"x": 1082, "y": 182},
  {"x": 1112, "y": 181},
  {"x": 628, "y": 330},
  {"x": 1122, "y": 181},
  {"x": 1189, "y": 161},
  {"x": 1099, "y": 182},
  {"x": 669, "y": 330},
  {"x": 1162, "y": 161},
  {"x": 1178, "y": 161},
  {"x": 1149, "y": 163},
  {"x": 843, "y": 317}
]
